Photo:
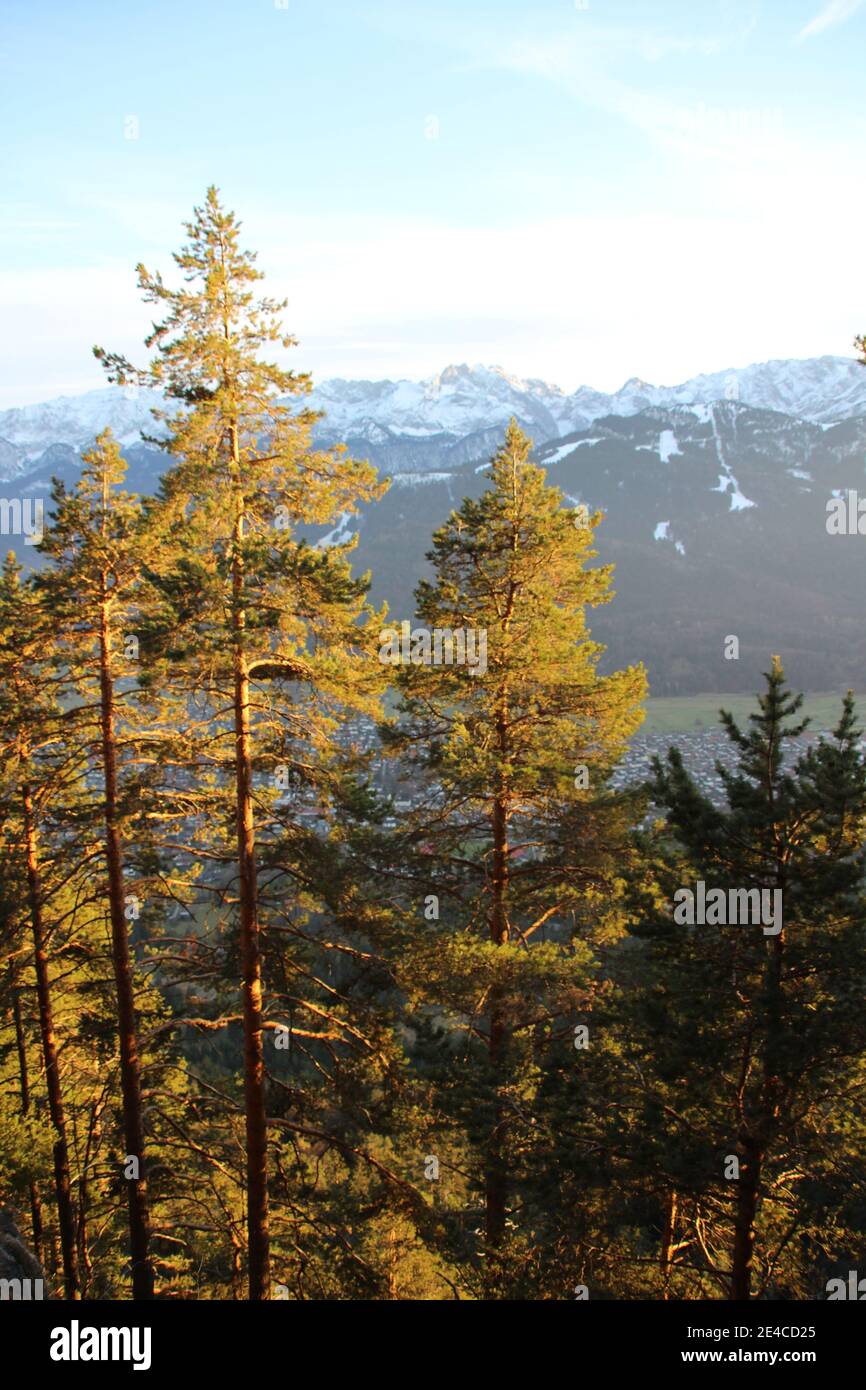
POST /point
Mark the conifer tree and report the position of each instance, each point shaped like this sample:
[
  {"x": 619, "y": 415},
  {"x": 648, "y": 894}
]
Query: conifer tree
[
  {"x": 511, "y": 744},
  {"x": 31, "y": 748},
  {"x": 91, "y": 592},
  {"x": 754, "y": 1034},
  {"x": 249, "y": 611},
  {"x": 14, "y": 952}
]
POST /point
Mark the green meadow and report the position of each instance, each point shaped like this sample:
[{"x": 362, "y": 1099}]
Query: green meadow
[{"x": 680, "y": 713}]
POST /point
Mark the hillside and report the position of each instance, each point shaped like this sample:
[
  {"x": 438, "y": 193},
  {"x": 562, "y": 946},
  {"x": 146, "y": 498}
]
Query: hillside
[{"x": 714, "y": 511}]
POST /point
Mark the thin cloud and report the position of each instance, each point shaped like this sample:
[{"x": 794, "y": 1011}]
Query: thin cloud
[
  {"x": 836, "y": 12},
  {"x": 698, "y": 132}
]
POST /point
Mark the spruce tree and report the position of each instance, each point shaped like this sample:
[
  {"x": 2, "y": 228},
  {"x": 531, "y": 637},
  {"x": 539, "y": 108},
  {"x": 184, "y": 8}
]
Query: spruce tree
[{"x": 753, "y": 1034}]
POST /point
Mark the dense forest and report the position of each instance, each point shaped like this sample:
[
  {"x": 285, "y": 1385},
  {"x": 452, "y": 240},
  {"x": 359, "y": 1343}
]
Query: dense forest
[{"x": 333, "y": 966}]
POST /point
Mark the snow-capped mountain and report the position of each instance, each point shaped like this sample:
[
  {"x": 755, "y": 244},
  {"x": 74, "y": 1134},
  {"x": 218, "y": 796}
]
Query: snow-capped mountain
[
  {"x": 714, "y": 512},
  {"x": 76, "y": 420},
  {"x": 417, "y": 425},
  {"x": 458, "y": 401},
  {"x": 715, "y": 518},
  {"x": 822, "y": 390}
]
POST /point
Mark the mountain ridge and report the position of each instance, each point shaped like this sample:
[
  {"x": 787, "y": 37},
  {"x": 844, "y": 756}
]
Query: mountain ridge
[
  {"x": 714, "y": 518},
  {"x": 458, "y": 402}
]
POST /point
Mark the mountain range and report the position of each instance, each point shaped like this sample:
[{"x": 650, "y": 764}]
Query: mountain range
[
  {"x": 714, "y": 495},
  {"x": 457, "y": 404}
]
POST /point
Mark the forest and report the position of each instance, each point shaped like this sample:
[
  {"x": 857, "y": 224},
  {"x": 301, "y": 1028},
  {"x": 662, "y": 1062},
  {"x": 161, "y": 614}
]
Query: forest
[{"x": 332, "y": 966}]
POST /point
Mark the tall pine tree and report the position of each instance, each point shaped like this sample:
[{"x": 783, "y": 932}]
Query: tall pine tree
[
  {"x": 249, "y": 612},
  {"x": 513, "y": 739},
  {"x": 91, "y": 591}
]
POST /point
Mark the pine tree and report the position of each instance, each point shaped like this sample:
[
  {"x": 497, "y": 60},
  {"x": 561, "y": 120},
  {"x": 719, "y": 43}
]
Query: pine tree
[
  {"x": 91, "y": 592},
  {"x": 31, "y": 746},
  {"x": 754, "y": 1034},
  {"x": 512, "y": 743},
  {"x": 14, "y": 951},
  {"x": 249, "y": 610}
]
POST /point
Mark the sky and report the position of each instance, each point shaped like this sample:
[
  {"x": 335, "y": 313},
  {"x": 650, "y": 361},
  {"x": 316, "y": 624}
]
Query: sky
[{"x": 578, "y": 192}]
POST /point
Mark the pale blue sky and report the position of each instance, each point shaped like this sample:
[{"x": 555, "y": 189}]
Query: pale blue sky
[{"x": 652, "y": 188}]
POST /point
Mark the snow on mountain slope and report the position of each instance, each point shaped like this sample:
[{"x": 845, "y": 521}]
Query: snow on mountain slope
[
  {"x": 668, "y": 445},
  {"x": 723, "y": 533},
  {"x": 460, "y": 402},
  {"x": 76, "y": 420},
  {"x": 820, "y": 389},
  {"x": 463, "y": 400}
]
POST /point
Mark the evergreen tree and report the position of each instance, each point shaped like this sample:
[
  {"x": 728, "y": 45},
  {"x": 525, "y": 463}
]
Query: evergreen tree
[
  {"x": 754, "y": 1034},
  {"x": 33, "y": 755},
  {"x": 250, "y": 612},
  {"x": 91, "y": 593},
  {"x": 512, "y": 743},
  {"x": 23, "y": 1119}
]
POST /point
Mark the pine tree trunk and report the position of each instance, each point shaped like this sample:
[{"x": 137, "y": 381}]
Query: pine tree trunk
[
  {"x": 130, "y": 1069},
  {"x": 497, "y": 1178},
  {"x": 668, "y": 1238},
  {"x": 62, "y": 1182},
  {"x": 496, "y": 1182},
  {"x": 85, "y": 1264},
  {"x": 258, "y": 1234},
  {"x": 24, "y": 1091},
  {"x": 748, "y": 1188}
]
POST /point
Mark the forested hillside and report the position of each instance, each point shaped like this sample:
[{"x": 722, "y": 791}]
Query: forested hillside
[{"x": 337, "y": 962}]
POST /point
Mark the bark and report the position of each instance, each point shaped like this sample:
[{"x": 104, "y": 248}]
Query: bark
[
  {"x": 496, "y": 1178},
  {"x": 668, "y": 1239},
  {"x": 85, "y": 1264},
  {"x": 130, "y": 1067},
  {"x": 748, "y": 1189},
  {"x": 24, "y": 1090},
  {"x": 258, "y": 1234},
  {"x": 496, "y": 1194},
  {"x": 756, "y": 1144},
  {"x": 62, "y": 1182}
]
